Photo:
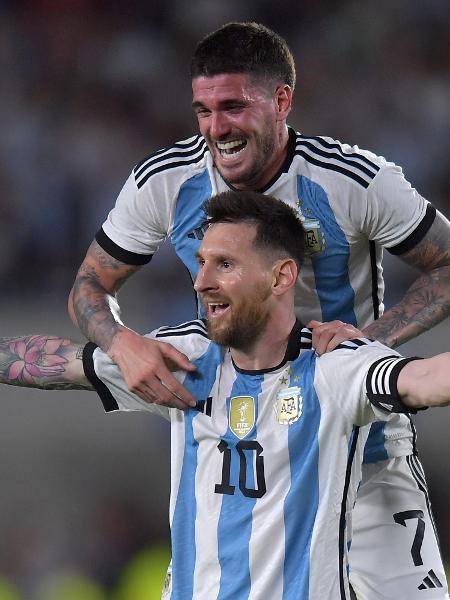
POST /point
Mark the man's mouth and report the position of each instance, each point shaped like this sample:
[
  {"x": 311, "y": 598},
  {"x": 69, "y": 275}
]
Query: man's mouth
[
  {"x": 232, "y": 148},
  {"x": 217, "y": 309}
]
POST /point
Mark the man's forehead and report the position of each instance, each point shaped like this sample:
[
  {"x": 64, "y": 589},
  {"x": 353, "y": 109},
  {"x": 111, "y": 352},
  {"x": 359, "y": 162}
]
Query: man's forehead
[
  {"x": 225, "y": 84},
  {"x": 229, "y": 236}
]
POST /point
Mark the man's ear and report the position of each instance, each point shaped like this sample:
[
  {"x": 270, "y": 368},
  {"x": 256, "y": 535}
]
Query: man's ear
[
  {"x": 285, "y": 273},
  {"x": 283, "y": 98}
]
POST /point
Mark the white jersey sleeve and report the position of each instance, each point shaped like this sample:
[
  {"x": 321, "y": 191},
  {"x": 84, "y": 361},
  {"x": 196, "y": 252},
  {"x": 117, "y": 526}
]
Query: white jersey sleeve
[
  {"x": 143, "y": 215},
  {"x": 361, "y": 377},
  {"x": 394, "y": 208},
  {"x": 107, "y": 380}
]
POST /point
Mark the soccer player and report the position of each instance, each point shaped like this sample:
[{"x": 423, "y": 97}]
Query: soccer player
[
  {"x": 352, "y": 204},
  {"x": 260, "y": 468}
]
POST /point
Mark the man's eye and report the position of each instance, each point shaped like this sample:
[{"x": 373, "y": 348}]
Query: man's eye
[{"x": 226, "y": 264}]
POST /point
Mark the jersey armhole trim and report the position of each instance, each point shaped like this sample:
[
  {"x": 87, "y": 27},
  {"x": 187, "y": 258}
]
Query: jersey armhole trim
[
  {"x": 108, "y": 400},
  {"x": 125, "y": 256},
  {"x": 417, "y": 235}
]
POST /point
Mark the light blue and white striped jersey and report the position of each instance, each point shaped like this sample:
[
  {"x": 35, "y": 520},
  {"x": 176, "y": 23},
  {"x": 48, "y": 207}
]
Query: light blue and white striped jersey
[
  {"x": 352, "y": 202},
  {"x": 261, "y": 490}
]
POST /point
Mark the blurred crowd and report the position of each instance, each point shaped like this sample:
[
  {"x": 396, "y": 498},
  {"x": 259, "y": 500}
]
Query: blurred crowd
[{"x": 90, "y": 87}]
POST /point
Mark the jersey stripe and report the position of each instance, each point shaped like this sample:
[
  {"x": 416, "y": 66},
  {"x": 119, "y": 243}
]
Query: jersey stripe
[
  {"x": 183, "y": 523},
  {"x": 302, "y": 501},
  {"x": 168, "y": 161},
  {"x": 182, "y": 148},
  {"x": 233, "y": 543},
  {"x": 418, "y": 474},
  {"x": 351, "y": 165},
  {"x": 190, "y": 327},
  {"x": 331, "y": 267},
  {"x": 337, "y": 146},
  {"x": 342, "y": 521},
  {"x": 347, "y": 160},
  {"x": 353, "y": 344}
]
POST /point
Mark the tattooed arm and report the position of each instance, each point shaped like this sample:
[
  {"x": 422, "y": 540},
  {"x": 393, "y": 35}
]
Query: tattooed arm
[
  {"x": 42, "y": 361},
  {"x": 143, "y": 362},
  {"x": 427, "y": 301}
]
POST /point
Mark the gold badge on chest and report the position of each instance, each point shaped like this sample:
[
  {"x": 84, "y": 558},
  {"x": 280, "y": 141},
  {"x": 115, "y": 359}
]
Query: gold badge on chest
[
  {"x": 288, "y": 405},
  {"x": 242, "y": 415}
]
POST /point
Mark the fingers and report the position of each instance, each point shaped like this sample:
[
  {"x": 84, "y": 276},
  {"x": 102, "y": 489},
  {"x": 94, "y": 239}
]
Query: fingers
[
  {"x": 164, "y": 392},
  {"x": 143, "y": 363},
  {"x": 176, "y": 360},
  {"x": 327, "y": 336}
]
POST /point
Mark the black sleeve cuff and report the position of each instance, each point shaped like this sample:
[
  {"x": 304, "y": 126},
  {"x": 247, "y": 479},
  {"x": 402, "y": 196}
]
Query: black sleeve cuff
[
  {"x": 381, "y": 384},
  {"x": 108, "y": 401},
  {"x": 125, "y": 256},
  {"x": 417, "y": 235}
]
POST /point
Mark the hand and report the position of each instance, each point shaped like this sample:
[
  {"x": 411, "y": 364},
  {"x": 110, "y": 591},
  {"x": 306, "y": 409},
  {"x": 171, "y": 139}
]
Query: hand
[
  {"x": 145, "y": 365},
  {"x": 327, "y": 336}
]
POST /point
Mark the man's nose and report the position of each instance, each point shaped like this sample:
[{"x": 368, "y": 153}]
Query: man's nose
[
  {"x": 220, "y": 126},
  {"x": 204, "y": 280}
]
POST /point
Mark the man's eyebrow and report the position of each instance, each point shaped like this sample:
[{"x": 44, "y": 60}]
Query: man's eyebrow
[{"x": 222, "y": 103}]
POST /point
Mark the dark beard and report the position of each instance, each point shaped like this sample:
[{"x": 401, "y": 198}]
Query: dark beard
[{"x": 246, "y": 326}]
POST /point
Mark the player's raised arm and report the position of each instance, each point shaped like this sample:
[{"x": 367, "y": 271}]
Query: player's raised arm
[
  {"x": 143, "y": 362},
  {"x": 427, "y": 301},
  {"x": 42, "y": 361},
  {"x": 423, "y": 383}
]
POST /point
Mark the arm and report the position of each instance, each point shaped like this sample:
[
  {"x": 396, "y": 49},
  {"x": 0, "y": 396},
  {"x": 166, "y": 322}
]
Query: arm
[
  {"x": 427, "y": 301},
  {"x": 143, "y": 362},
  {"x": 426, "y": 382},
  {"x": 42, "y": 361}
]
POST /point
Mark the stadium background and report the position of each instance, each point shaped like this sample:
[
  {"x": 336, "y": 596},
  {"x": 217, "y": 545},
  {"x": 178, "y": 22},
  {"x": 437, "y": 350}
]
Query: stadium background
[{"x": 89, "y": 87}]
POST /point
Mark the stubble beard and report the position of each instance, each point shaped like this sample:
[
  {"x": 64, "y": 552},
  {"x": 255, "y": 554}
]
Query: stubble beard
[{"x": 265, "y": 143}]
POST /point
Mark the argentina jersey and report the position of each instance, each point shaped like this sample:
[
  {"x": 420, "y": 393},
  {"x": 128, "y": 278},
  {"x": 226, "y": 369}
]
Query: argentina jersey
[
  {"x": 344, "y": 196},
  {"x": 261, "y": 484}
]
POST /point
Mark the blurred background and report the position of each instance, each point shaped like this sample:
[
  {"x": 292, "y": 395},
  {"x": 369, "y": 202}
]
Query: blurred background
[{"x": 88, "y": 88}]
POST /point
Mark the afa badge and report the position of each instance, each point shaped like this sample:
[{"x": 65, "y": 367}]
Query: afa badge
[
  {"x": 288, "y": 405},
  {"x": 315, "y": 240},
  {"x": 242, "y": 415}
]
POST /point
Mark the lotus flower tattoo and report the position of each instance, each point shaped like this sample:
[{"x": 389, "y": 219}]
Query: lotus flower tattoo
[{"x": 37, "y": 358}]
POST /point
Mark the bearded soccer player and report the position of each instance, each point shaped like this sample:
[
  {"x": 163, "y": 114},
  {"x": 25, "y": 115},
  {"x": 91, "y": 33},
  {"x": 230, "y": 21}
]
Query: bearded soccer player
[{"x": 264, "y": 469}]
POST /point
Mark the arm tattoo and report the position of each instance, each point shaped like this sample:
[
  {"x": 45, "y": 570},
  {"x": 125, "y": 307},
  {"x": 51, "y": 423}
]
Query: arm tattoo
[
  {"x": 427, "y": 301},
  {"x": 91, "y": 299},
  {"x": 42, "y": 361}
]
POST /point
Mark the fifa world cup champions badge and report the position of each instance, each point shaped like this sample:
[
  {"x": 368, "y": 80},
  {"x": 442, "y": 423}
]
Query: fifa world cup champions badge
[
  {"x": 288, "y": 406},
  {"x": 242, "y": 415}
]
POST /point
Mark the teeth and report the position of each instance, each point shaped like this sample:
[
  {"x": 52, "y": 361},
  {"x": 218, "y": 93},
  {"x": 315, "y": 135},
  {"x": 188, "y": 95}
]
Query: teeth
[
  {"x": 229, "y": 148},
  {"x": 230, "y": 145}
]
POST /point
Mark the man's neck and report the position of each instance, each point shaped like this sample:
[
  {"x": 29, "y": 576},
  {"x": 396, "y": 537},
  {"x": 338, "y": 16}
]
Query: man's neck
[{"x": 269, "y": 349}]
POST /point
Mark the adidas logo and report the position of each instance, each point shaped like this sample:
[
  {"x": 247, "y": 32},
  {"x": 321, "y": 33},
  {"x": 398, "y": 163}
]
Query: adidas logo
[{"x": 430, "y": 582}]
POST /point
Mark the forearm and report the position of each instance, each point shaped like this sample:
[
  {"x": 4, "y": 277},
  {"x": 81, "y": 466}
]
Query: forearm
[
  {"x": 42, "y": 361},
  {"x": 426, "y": 382},
  {"x": 91, "y": 306},
  {"x": 93, "y": 302},
  {"x": 426, "y": 303}
]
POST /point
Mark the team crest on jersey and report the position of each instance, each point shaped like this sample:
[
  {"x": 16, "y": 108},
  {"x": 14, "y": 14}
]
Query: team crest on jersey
[
  {"x": 315, "y": 239},
  {"x": 242, "y": 415},
  {"x": 288, "y": 405}
]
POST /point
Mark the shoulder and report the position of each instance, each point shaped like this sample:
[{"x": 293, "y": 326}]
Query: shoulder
[
  {"x": 185, "y": 154},
  {"x": 190, "y": 337},
  {"x": 357, "y": 165}
]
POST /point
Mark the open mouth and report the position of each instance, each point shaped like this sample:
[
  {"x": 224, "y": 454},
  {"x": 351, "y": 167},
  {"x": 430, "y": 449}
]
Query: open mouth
[
  {"x": 231, "y": 149},
  {"x": 217, "y": 309}
]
